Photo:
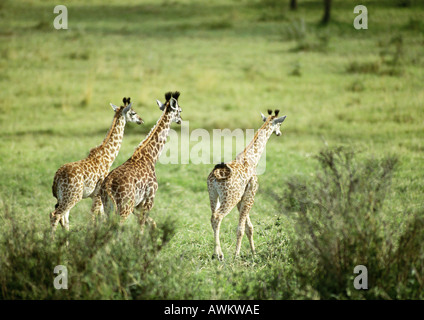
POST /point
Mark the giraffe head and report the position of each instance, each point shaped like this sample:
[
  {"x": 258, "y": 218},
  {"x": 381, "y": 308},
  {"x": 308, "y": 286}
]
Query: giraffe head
[
  {"x": 171, "y": 105},
  {"x": 127, "y": 111},
  {"x": 274, "y": 122}
]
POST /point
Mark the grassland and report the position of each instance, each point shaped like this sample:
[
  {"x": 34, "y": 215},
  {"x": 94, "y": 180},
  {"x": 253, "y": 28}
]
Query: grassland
[{"x": 230, "y": 60}]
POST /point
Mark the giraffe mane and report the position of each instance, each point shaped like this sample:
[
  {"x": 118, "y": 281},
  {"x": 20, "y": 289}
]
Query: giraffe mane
[
  {"x": 109, "y": 133},
  {"x": 152, "y": 131},
  {"x": 254, "y": 137},
  {"x": 150, "y": 134}
]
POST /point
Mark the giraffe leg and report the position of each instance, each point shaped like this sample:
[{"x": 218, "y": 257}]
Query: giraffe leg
[
  {"x": 108, "y": 203},
  {"x": 213, "y": 198},
  {"x": 97, "y": 204},
  {"x": 240, "y": 232},
  {"x": 216, "y": 220},
  {"x": 61, "y": 215},
  {"x": 69, "y": 193},
  {"x": 151, "y": 222},
  {"x": 54, "y": 221},
  {"x": 143, "y": 218},
  {"x": 145, "y": 206},
  {"x": 125, "y": 210},
  {"x": 140, "y": 216},
  {"x": 249, "y": 233},
  {"x": 65, "y": 224},
  {"x": 97, "y": 208},
  {"x": 65, "y": 219},
  {"x": 244, "y": 207}
]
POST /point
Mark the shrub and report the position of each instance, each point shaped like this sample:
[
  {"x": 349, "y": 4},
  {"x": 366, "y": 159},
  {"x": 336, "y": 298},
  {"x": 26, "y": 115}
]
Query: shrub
[
  {"x": 104, "y": 261},
  {"x": 341, "y": 222}
]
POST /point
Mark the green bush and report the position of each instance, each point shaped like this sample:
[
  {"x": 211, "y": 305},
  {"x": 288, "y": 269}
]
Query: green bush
[
  {"x": 341, "y": 222},
  {"x": 106, "y": 261}
]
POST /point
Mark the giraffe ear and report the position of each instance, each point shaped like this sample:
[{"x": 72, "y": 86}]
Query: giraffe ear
[
  {"x": 160, "y": 105},
  {"x": 127, "y": 108},
  {"x": 174, "y": 104},
  {"x": 263, "y": 117},
  {"x": 114, "y": 107},
  {"x": 279, "y": 120}
]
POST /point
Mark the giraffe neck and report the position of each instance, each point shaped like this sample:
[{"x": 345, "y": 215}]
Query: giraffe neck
[
  {"x": 109, "y": 149},
  {"x": 252, "y": 153},
  {"x": 151, "y": 147}
]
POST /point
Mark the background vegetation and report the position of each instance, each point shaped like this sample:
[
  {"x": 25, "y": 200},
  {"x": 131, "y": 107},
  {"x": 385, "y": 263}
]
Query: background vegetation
[{"x": 343, "y": 185}]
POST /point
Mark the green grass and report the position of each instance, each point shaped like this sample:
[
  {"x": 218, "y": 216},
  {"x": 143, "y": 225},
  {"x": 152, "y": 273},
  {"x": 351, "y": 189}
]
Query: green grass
[{"x": 230, "y": 60}]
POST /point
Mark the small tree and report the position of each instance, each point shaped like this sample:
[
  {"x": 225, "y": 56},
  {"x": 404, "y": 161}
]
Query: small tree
[{"x": 327, "y": 12}]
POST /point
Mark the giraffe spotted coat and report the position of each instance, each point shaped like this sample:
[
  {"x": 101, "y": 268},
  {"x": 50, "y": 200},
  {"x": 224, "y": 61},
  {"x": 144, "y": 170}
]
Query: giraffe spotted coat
[
  {"x": 81, "y": 179},
  {"x": 133, "y": 184},
  {"x": 236, "y": 183}
]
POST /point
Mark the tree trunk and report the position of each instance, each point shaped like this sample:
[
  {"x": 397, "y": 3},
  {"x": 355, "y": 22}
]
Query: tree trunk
[
  {"x": 327, "y": 10},
  {"x": 293, "y": 4}
]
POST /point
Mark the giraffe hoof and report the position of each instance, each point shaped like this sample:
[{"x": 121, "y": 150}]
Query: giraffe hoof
[{"x": 220, "y": 257}]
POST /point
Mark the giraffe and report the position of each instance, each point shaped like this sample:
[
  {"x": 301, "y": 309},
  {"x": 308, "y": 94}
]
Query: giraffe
[
  {"x": 235, "y": 183},
  {"x": 133, "y": 184},
  {"x": 81, "y": 179}
]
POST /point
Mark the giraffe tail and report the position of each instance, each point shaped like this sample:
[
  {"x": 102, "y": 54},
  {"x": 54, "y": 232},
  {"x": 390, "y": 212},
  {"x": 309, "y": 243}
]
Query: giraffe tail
[
  {"x": 54, "y": 187},
  {"x": 222, "y": 171},
  {"x": 109, "y": 203},
  {"x": 60, "y": 174}
]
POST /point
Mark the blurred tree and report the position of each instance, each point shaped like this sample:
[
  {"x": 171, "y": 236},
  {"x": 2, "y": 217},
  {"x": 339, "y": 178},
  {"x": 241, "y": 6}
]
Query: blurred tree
[
  {"x": 404, "y": 3},
  {"x": 327, "y": 10},
  {"x": 293, "y": 4}
]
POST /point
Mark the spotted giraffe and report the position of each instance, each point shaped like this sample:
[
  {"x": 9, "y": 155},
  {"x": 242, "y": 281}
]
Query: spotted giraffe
[
  {"x": 81, "y": 179},
  {"x": 133, "y": 184},
  {"x": 235, "y": 183}
]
